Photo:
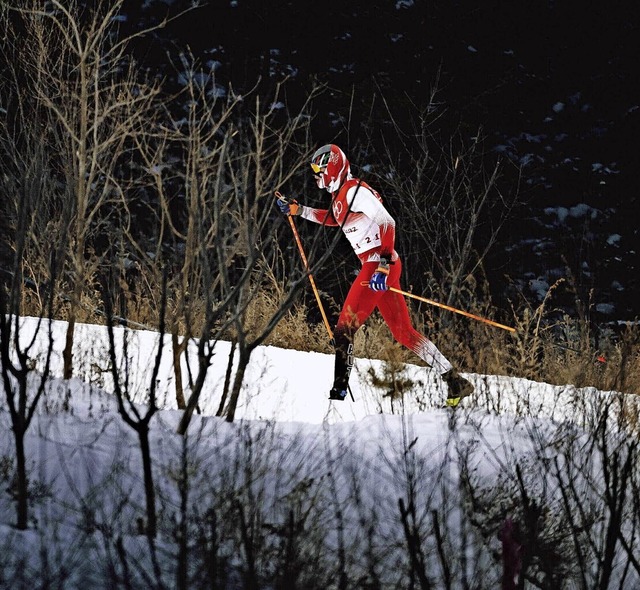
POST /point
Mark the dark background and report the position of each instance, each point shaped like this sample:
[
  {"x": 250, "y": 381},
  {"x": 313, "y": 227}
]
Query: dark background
[{"x": 552, "y": 84}]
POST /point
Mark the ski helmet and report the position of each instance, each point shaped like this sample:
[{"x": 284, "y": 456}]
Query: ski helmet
[{"x": 330, "y": 167}]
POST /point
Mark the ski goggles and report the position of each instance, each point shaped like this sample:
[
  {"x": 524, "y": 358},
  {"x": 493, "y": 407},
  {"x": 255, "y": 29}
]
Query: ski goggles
[{"x": 320, "y": 161}]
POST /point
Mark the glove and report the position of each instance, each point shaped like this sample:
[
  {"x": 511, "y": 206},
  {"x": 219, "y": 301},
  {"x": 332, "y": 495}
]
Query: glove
[
  {"x": 378, "y": 281},
  {"x": 288, "y": 207}
]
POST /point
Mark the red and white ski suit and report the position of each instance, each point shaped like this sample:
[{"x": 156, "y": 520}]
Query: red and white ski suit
[{"x": 358, "y": 210}]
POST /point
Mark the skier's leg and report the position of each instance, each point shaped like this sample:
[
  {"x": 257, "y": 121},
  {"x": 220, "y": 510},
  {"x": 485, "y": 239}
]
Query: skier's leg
[
  {"x": 360, "y": 302},
  {"x": 393, "y": 309},
  {"x": 395, "y": 313}
]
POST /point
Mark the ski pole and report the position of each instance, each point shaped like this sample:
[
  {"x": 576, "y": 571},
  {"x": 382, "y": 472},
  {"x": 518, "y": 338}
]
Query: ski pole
[
  {"x": 281, "y": 197},
  {"x": 448, "y": 307}
]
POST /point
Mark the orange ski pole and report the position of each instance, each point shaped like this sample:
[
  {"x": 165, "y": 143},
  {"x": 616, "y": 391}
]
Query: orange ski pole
[
  {"x": 280, "y": 197},
  {"x": 448, "y": 307}
]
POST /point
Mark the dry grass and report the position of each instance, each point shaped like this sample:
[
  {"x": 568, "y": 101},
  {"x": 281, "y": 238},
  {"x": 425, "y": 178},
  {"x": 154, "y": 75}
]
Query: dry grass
[{"x": 558, "y": 351}]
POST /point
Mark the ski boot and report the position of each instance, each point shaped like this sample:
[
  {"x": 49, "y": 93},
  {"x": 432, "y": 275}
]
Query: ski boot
[
  {"x": 458, "y": 387},
  {"x": 338, "y": 394}
]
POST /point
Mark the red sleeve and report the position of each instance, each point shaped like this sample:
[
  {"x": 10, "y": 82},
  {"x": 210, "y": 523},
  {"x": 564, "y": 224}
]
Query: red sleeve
[{"x": 322, "y": 216}]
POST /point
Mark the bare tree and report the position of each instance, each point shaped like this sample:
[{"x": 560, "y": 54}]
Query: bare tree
[
  {"x": 258, "y": 162},
  {"x": 74, "y": 66},
  {"x": 215, "y": 159},
  {"x": 23, "y": 387},
  {"x": 127, "y": 408},
  {"x": 448, "y": 193},
  {"x": 182, "y": 157}
]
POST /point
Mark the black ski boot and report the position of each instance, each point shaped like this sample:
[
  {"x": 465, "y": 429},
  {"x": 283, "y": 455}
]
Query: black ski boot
[
  {"x": 338, "y": 394},
  {"x": 458, "y": 386}
]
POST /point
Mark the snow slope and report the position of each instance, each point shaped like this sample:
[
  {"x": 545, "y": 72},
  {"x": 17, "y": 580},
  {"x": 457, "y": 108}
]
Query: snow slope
[{"x": 293, "y": 453}]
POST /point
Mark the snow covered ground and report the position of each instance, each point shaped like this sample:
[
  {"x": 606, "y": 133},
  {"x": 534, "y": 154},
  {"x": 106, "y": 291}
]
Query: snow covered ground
[{"x": 364, "y": 482}]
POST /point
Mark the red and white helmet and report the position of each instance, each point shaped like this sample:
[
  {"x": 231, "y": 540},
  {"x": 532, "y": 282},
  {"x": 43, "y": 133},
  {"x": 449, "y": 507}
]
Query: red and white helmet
[{"x": 330, "y": 167}]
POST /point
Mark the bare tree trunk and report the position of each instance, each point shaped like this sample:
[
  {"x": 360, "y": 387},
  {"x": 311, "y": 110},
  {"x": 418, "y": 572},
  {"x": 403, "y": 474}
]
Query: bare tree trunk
[
  {"x": 177, "y": 349},
  {"x": 21, "y": 400},
  {"x": 31, "y": 194},
  {"x": 22, "y": 487},
  {"x": 127, "y": 409},
  {"x": 227, "y": 379},
  {"x": 414, "y": 543},
  {"x": 204, "y": 361},
  {"x": 67, "y": 353},
  {"x": 149, "y": 486},
  {"x": 182, "y": 532},
  {"x": 243, "y": 361}
]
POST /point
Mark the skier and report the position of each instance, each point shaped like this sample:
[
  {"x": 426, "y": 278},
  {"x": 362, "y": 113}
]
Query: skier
[{"x": 358, "y": 210}]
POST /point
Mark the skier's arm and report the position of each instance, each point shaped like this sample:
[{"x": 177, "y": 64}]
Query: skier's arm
[
  {"x": 292, "y": 207},
  {"x": 322, "y": 216}
]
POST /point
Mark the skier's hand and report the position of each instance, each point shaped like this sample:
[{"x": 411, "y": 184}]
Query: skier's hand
[
  {"x": 288, "y": 207},
  {"x": 378, "y": 281}
]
